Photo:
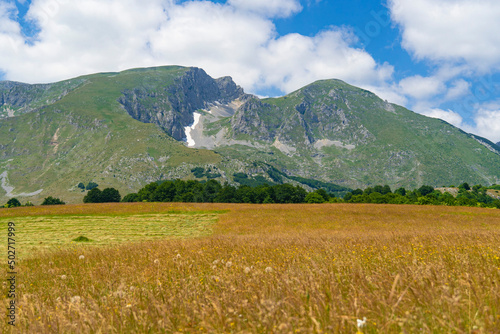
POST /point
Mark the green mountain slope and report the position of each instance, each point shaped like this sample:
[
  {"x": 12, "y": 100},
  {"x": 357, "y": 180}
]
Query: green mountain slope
[
  {"x": 130, "y": 128},
  {"x": 332, "y": 131},
  {"x": 87, "y": 136}
]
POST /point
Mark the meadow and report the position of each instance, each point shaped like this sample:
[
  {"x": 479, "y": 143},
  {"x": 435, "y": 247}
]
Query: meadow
[{"x": 222, "y": 268}]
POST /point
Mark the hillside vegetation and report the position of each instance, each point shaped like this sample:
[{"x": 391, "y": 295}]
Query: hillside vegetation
[{"x": 125, "y": 130}]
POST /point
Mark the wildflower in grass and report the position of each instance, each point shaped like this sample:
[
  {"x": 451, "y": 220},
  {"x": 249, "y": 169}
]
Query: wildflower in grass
[
  {"x": 75, "y": 299},
  {"x": 81, "y": 257},
  {"x": 269, "y": 270},
  {"x": 247, "y": 270},
  {"x": 63, "y": 277},
  {"x": 229, "y": 264},
  {"x": 362, "y": 323}
]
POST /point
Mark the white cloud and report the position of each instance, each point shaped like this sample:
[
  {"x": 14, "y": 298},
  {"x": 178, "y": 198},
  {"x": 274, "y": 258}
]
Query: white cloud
[
  {"x": 451, "y": 30},
  {"x": 270, "y": 8},
  {"x": 422, "y": 87},
  {"x": 486, "y": 119},
  {"x": 388, "y": 92},
  {"x": 293, "y": 61},
  {"x": 446, "y": 115},
  {"x": 458, "y": 89},
  {"x": 487, "y": 122},
  {"x": 237, "y": 39},
  {"x": 10, "y": 32}
]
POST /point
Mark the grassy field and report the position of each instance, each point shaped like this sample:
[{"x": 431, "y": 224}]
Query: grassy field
[{"x": 219, "y": 268}]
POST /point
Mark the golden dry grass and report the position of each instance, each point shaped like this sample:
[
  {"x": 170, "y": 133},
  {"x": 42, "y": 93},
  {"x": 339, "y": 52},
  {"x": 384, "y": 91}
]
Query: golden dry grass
[{"x": 277, "y": 269}]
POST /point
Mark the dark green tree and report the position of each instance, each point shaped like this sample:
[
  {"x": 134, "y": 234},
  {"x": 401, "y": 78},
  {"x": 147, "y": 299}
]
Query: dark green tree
[
  {"x": 284, "y": 193},
  {"x": 93, "y": 196},
  {"x": 133, "y": 197},
  {"x": 348, "y": 196},
  {"x": 165, "y": 192},
  {"x": 357, "y": 192},
  {"x": 210, "y": 191},
  {"x": 110, "y": 195},
  {"x": 376, "y": 197},
  {"x": 323, "y": 193},
  {"x": 464, "y": 186},
  {"x": 425, "y": 190},
  {"x": 52, "y": 201},
  {"x": 146, "y": 193},
  {"x": 386, "y": 190},
  {"x": 378, "y": 189},
  {"x": 314, "y": 198},
  {"x": 368, "y": 191},
  {"x": 226, "y": 195},
  {"x": 400, "y": 191},
  {"x": 91, "y": 185},
  {"x": 13, "y": 203}
]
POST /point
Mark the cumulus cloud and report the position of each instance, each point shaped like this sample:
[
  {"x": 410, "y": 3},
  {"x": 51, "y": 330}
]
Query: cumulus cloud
[
  {"x": 237, "y": 38},
  {"x": 422, "y": 87},
  {"x": 446, "y": 115},
  {"x": 459, "y": 88},
  {"x": 487, "y": 122},
  {"x": 451, "y": 30},
  {"x": 278, "y": 8},
  {"x": 293, "y": 61}
]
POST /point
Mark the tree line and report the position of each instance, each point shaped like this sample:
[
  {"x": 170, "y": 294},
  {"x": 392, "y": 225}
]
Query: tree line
[
  {"x": 214, "y": 192},
  {"x": 14, "y": 202},
  {"x": 425, "y": 195}
]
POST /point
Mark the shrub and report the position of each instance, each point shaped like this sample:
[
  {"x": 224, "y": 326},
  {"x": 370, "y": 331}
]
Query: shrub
[
  {"x": 313, "y": 198},
  {"x": 425, "y": 190},
  {"x": 13, "y": 202},
  {"x": 91, "y": 185},
  {"x": 131, "y": 198},
  {"x": 82, "y": 239},
  {"x": 93, "y": 196},
  {"x": 110, "y": 195},
  {"x": 52, "y": 201}
]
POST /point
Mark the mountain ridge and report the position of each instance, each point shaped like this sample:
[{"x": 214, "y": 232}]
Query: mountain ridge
[{"x": 129, "y": 128}]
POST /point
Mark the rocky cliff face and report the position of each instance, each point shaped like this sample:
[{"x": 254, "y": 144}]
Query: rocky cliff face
[
  {"x": 172, "y": 107},
  {"x": 26, "y": 98},
  {"x": 248, "y": 121},
  {"x": 314, "y": 113}
]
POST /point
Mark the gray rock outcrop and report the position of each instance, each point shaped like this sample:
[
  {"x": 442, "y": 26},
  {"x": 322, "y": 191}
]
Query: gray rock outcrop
[{"x": 172, "y": 107}]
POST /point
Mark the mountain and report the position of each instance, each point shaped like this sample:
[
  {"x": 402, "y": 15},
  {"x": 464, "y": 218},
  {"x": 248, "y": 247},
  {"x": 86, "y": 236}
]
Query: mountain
[{"x": 127, "y": 129}]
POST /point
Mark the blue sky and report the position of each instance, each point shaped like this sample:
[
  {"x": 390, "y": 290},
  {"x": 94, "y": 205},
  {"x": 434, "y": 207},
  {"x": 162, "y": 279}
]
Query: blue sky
[{"x": 440, "y": 58}]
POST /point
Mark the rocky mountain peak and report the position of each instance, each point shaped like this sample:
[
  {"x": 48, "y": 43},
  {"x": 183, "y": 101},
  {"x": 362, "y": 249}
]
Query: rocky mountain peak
[{"x": 172, "y": 107}]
